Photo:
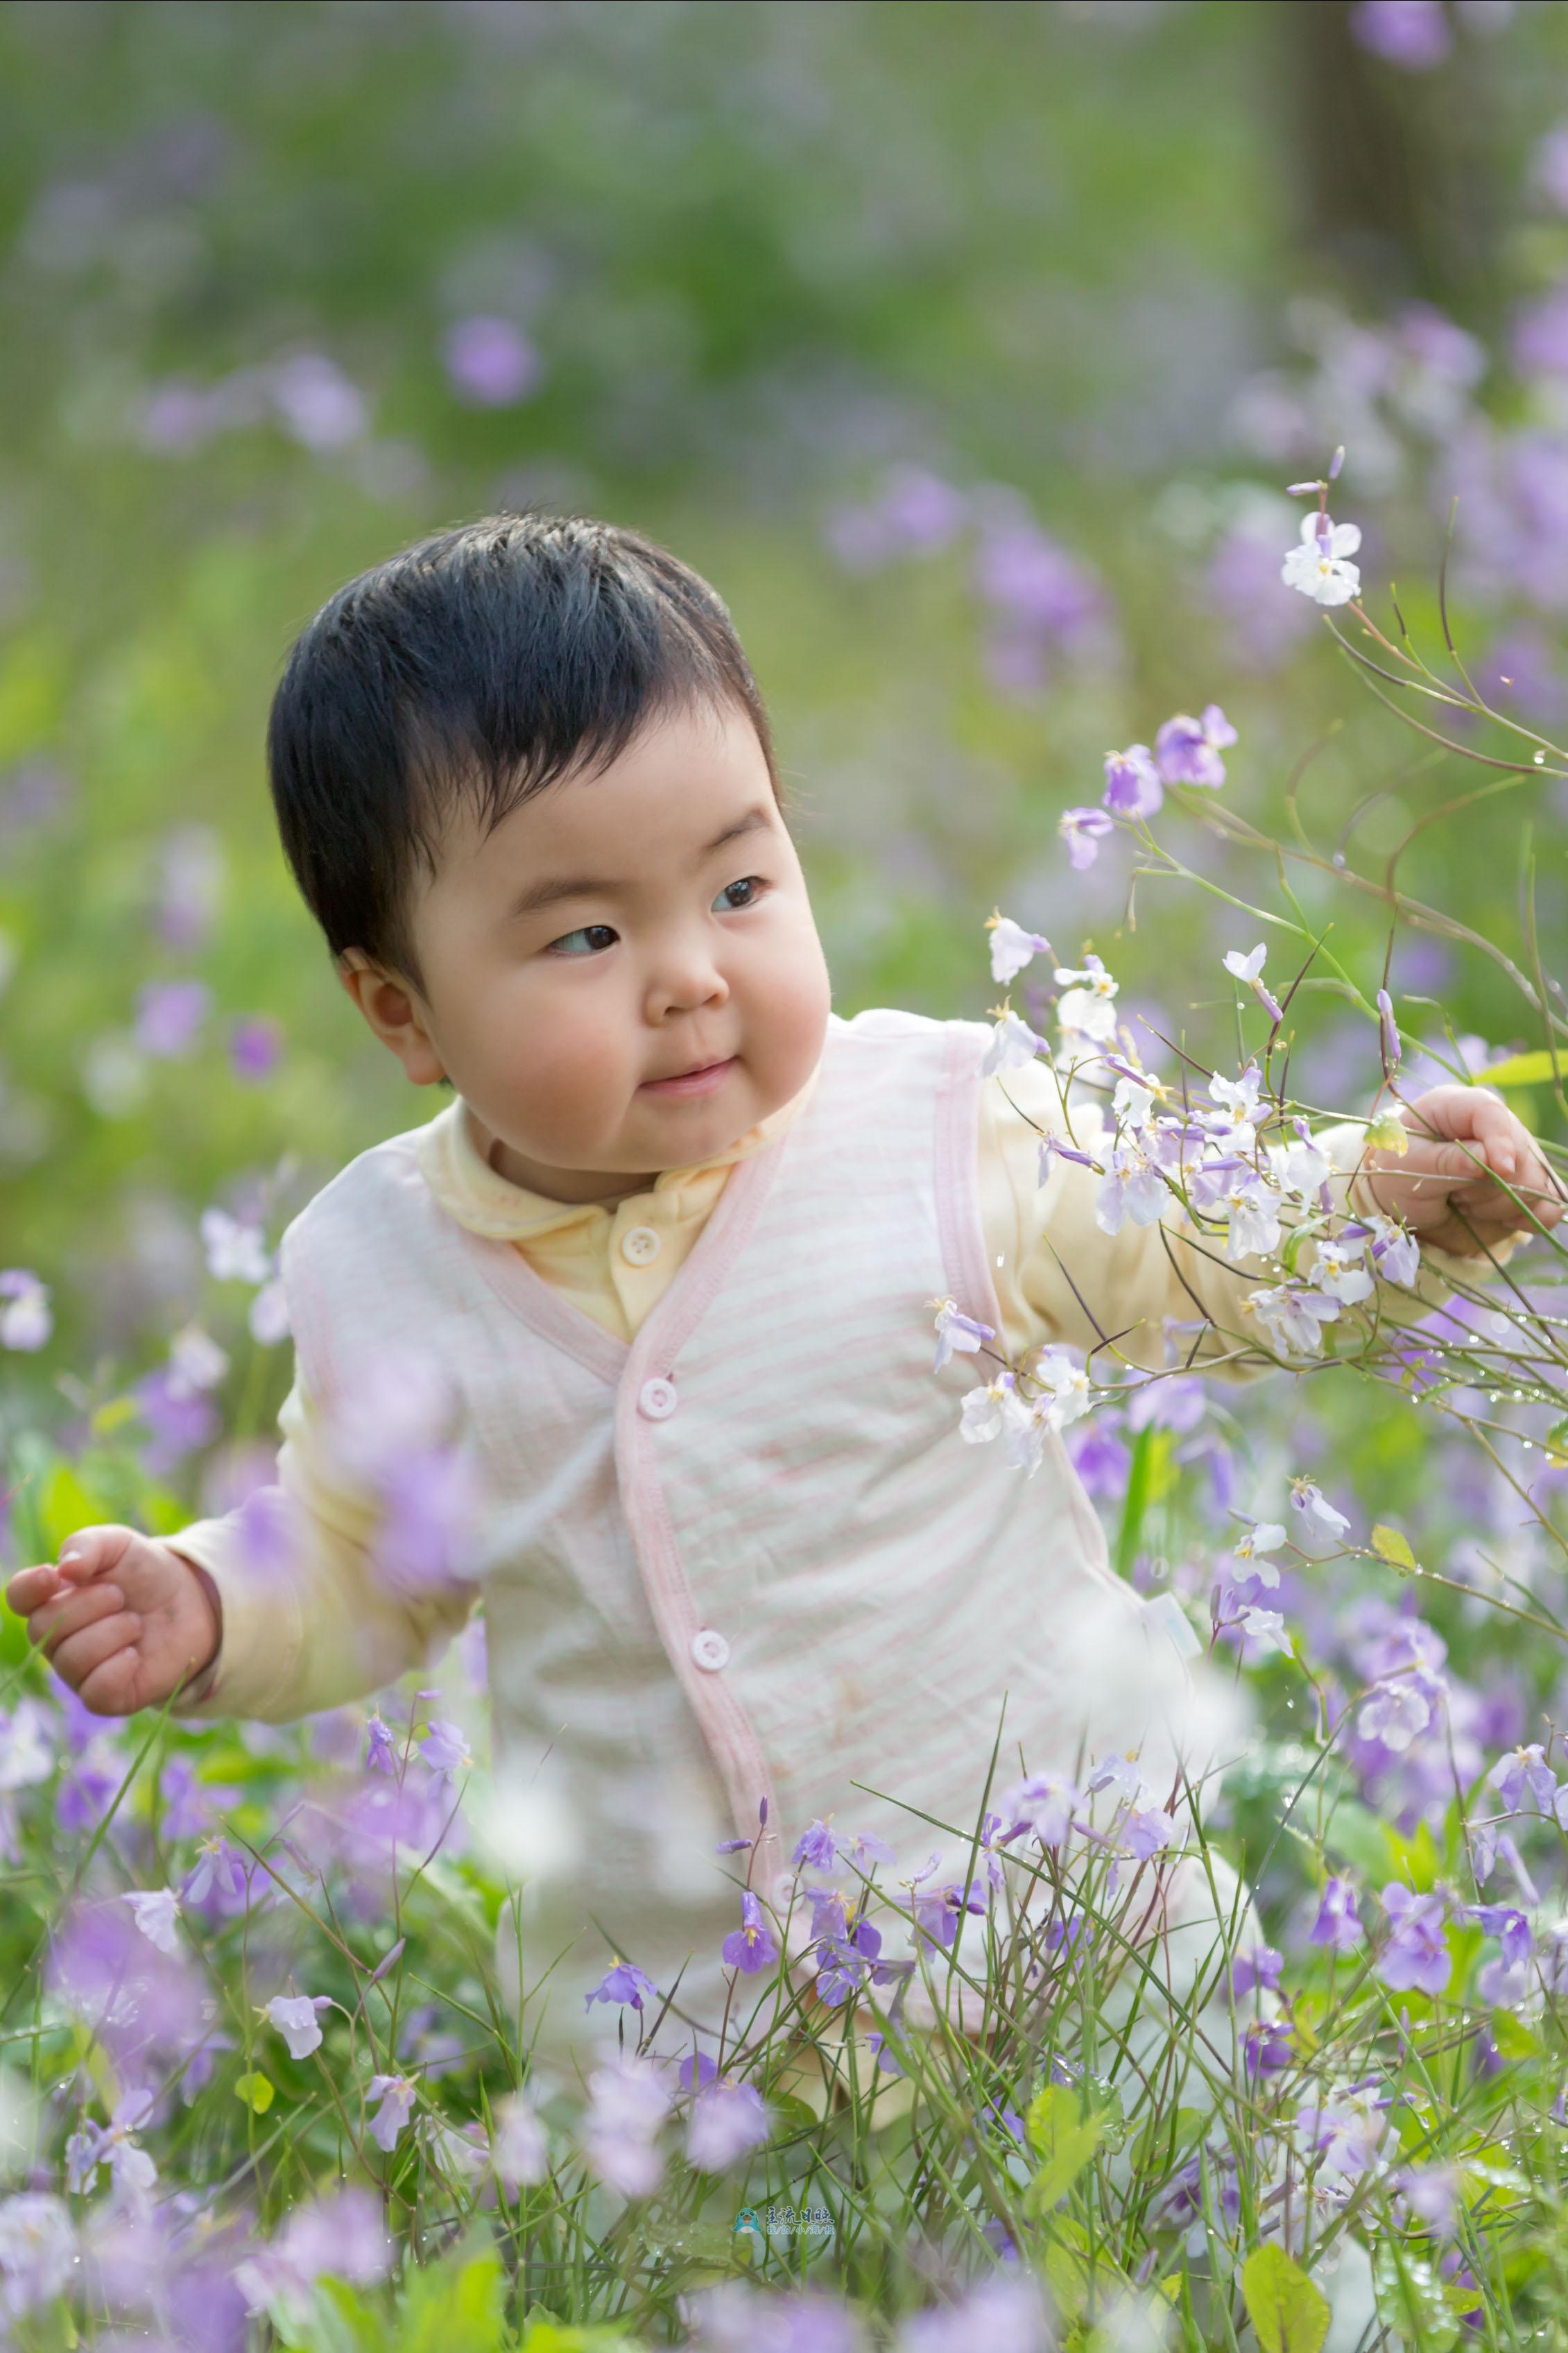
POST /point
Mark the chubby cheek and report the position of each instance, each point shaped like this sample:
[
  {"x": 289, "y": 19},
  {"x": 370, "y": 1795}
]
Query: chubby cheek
[
  {"x": 566, "y": 1076},
  {"x": 791, "y": 1012}
]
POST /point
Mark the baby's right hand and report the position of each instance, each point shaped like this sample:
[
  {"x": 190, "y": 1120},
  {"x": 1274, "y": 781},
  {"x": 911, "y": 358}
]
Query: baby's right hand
[{"x": 123, "y": 1619}]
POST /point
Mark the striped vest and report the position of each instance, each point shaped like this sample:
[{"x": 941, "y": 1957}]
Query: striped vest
[{"x": 748, "y": 1557}]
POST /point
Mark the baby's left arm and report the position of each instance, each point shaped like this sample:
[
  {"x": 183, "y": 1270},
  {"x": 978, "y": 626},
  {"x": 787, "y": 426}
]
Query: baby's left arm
[{"x": 1470, "y": 1176}]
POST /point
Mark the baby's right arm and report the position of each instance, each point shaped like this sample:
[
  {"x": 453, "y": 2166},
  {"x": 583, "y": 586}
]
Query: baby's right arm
[
  {"x": 123, "y": 1618},
  {"x": 272, "y": 1613}
]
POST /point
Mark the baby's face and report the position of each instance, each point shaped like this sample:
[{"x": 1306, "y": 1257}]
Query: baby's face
[{"x": 604, "y": 939}]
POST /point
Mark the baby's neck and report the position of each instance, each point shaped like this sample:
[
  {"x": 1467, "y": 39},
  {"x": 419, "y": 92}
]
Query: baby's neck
[{"x": 572, "y": 1186}]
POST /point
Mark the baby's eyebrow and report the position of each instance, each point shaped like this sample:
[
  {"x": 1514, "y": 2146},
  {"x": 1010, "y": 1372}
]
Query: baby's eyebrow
[{"x": 545, "y": 893}]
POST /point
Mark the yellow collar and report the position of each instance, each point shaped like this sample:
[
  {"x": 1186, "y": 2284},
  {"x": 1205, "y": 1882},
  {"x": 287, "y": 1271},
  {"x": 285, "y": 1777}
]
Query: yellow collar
[{"x": 470, "y": 1190}]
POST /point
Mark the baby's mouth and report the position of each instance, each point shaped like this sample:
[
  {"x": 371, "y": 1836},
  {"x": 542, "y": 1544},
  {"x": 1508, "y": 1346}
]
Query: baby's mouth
[{"x": 698, "y": 1080}]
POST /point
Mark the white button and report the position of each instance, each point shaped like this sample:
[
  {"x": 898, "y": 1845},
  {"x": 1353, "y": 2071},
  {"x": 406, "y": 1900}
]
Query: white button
[
  {"x": 640, "y": 1245},
  {"x": 658, "y": 1399},
  {"x": 710, "y": 1650}
]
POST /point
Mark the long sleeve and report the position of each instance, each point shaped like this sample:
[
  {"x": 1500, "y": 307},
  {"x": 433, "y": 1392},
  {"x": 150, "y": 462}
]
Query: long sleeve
[
  {"x": 1061, "y": 1279},
  {"x": 307, "y": 1622}
]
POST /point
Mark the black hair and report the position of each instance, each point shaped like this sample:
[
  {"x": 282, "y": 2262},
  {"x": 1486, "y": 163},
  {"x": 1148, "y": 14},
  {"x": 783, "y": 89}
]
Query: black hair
[{"x": 487, "y": 661}]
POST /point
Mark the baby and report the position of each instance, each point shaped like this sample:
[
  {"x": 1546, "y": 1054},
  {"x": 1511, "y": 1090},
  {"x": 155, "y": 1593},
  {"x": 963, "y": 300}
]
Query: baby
[{"x": 667, "y": 1261}]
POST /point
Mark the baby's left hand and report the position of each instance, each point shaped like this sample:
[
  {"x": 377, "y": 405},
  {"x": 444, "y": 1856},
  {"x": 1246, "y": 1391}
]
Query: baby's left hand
[{"x": 1463, "y": 1140}]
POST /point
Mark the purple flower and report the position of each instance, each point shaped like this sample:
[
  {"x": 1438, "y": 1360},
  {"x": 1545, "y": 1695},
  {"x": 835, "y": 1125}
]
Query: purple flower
[
  {"x": 37, "y": 2252},
  {"x": 1083, "y": 829},
  {"x": 381, "y": 1749},
  {"x": 1338, "y": 1922},
  {"x": 916, "y": 514},
  {"x": 432, "y": 1498},
  {"x": 1259, "y": 1967},
  {"x": 219, "y": 1873},
  {"x": 817, "y": 1846},
  {"x": 1549, "y": 168},
  {"x": 395, "y": 2094},
  {"x": 1501, "y": 1920},
  {"x": 520, "y": 2150},
  {"x": 1132, "y": 785},
  {"x": 750, "y": 1947},
  {"x": 1416, "y": 1957},
  {"x": 1432, "y": 2194},
  {"x": 727, "y": 2120},
  {"x": 169, "y": 1013},
  {"x": 1002, "y": 2314},
  {"x": 1187, "y": 750},
  {"x": 628, "y": 2101},
  {"x": 1046, "y": 1802},
  {"x": 1524, "y": 1772},
  {"x": 1411, "y": 34},
  {"x": 255, "y": 1047},
  {"x": 622, "y": 1982},
  {"x": 444, "y": 1749},
  {"x": 344, "y": 2236},
  {"x": 732, "y": 2318},
  {"x": 1266, "y": 2046},
  {"x": 491, "y": 363},
  {"x": 315, "y": 401}
]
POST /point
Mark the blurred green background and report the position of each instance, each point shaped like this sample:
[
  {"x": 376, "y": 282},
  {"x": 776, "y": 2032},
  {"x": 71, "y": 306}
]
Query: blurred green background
[{"x": 965, "y": 348}]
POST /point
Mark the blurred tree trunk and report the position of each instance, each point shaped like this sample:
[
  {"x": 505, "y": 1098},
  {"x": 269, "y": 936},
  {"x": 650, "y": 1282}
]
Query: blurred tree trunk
[{"x": 1394, "y": 171}]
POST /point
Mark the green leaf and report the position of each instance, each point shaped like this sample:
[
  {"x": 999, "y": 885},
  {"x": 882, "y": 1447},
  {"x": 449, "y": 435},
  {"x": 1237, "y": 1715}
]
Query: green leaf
[
  {"x": 1289, "y": 2315},
  {"x": 1519, "y": 1070},
  {"x": 455, "y": 2306},
  {"x": 1390, "y": 1546},
  {"x": 1063, "y": 2141},
  {"x": 257, "y": 2093}
]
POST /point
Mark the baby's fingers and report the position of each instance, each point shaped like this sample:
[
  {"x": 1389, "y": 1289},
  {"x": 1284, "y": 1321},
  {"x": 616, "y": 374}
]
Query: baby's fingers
[
  {"x": 111, "y": 1689},
  {"x": 49, "y": 1626},
  {"x": 79, "y": 1654},
  {"x": 31, "y": 1588}
]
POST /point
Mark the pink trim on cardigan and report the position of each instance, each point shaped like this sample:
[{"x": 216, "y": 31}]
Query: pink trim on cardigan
[{"x": 728, "y": 1729}]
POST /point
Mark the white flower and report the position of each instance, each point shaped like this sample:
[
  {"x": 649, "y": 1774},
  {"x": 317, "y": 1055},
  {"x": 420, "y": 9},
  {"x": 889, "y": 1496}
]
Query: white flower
[
  {"x": 156, "y": 1910},
  {"x": 1294, "y": 1320},
  {"x": 1012, "y": 1043},
  {"x": 1318, "y": 567},
  {"x": 1394, "y": 1713},
  {"x": 1317, "y": 1521},
  {"x": 1132, "y": 1187},
  {"x": 1252, "y": 1212},
  {"x": 294, "y": 2016},
  {"x": 1395, "y": 1252},
  {"x": 1012, "y": 947},
  {"x": 1266, "y": 1629},
  {"x": 1267, "y": 1536},
  {"x": 235, "y": 1252},
  {"x": 1337, "y": 1272},
  {"x": 1093, "y": 977},
  {"x": 954, "y": 1330},
  {"x": 1246, "y": 968},
  {"x": 982, "y": 1417},
  {"x": 195, "y": 1360},
  {"x": 1070, "y": 1396},
  {"x": 519, "y": 2149},
  {"x": 1132, "y": 1104},
  {"x": 269, "y": 1316},
  {"x": 1239, "y": 1096},
  {"x": 26, "y": 1321},
  {"x": 25, "y": 1755},
  {"x": 1299, "y": 1167}
]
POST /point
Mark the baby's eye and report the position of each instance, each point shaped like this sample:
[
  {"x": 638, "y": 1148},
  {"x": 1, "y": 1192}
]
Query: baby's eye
[
  {"x": 600, "y": 934},
  {"x": 752, "y": 882}
]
